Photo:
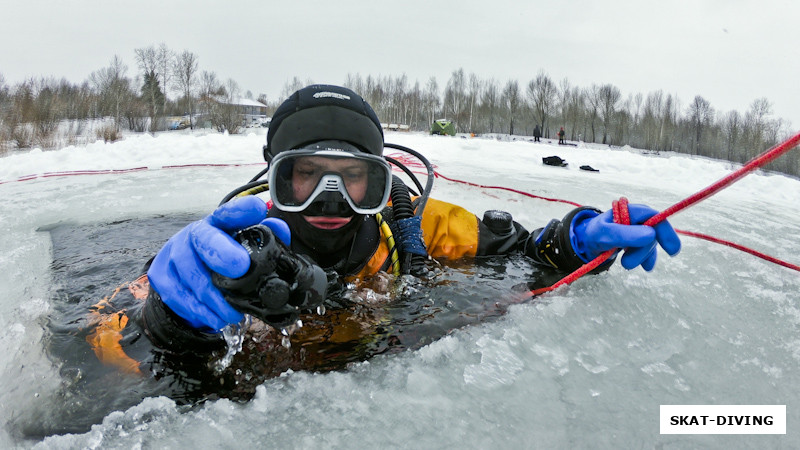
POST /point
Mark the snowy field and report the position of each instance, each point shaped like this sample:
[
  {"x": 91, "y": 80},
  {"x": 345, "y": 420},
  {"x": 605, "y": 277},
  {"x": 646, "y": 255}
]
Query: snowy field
[{"x": 585, "y": 367}]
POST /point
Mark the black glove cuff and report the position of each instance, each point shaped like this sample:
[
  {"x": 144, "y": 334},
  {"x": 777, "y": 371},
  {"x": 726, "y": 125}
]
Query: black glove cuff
[
  {"x": 167, "y": 330},
  {"x": 553, "y": 246}
]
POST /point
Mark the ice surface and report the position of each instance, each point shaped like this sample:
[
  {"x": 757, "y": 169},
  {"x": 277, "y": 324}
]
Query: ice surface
[{"x": 585, "y": 367}]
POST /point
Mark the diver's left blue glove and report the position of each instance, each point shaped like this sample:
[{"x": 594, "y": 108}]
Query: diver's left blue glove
[{"x": 592, "y": 234}]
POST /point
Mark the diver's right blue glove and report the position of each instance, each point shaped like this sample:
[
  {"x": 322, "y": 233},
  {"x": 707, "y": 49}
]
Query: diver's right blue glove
[
  {"x": 279, "y": 284},
  {"x": 180, "y": 272}
]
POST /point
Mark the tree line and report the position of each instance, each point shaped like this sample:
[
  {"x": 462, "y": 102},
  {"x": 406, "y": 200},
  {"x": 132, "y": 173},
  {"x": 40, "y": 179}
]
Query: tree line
[
  {"x": 656, "y": 121},
  {"x": 48, "y": 112},
  {"x": 167, "y": 83}
]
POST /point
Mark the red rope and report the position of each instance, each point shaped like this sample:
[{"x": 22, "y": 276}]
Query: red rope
[
  {"x": 740, "y": 247},
  {"x": 754, "y": 164},
  {"x": 620, "y": 211},
  {"x": 683, "y": 232},
  {"x": 516, "y": 191},
  {"x": 71, "y": 173}
]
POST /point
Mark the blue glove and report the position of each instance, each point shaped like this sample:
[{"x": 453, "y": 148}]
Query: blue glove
[
  {"x": 280, "y": 229},
  {"x": 279, "y": 284},
  {"x": 593, "y": 234},
  {"x": 181, "y": 271}
]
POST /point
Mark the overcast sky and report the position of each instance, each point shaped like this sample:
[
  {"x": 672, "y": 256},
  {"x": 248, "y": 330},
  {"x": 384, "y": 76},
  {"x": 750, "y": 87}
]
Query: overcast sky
[{"x": 729, "y": 51}]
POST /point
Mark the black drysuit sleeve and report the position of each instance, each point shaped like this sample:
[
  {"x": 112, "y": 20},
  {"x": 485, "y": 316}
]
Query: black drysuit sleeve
[{"x": 499, "y": 234}]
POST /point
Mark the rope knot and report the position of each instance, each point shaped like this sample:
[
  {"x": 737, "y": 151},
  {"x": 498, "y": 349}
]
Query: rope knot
[{"x": 620, "y": 210}]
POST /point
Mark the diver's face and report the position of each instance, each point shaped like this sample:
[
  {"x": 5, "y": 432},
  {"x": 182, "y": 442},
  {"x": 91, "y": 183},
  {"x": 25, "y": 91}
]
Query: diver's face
[{"x": 307, "y": 172}]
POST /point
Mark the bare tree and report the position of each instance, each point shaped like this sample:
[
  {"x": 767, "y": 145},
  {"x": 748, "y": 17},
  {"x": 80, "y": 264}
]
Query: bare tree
[
  {"x": 4, "y": 97},
  {"x": 755, "y": 125},
  {"x": 658, "y": 120},
  {"x": 398, "y": 99},
  {"x": 147, "y": 59},
  {"x": 542, "y": 93},
  {"x": 473, "y": 94},
  {"x": 290, "y": 87},
  {"x": 634, "y": 106},
  {"x": 668, "y": 124},
  {"x": 622, "y": 124},
  {"x": 732, "y": 129},
  {"x": 609, "y": 96},
  {"x": 354, "y": 82},
  {"x": 511, "y": 102},
  {"x": 375, "y": 94},
  {"x": 490, "y": 101},
  {"x": 700, "y": 115},
  {"x": 210, "y": 88},
  {"x": 185, "y": 71},
  {"x": 416, "y": 105},
  {"x": 113, "y": 88},
  {"x": 575, "y": 111},
  {"x": 562, "y": 103},
  {"x": 593, "y": 99},
  {"x": 38, "y": 107},
  {"x": 651, "y": 119},
  {"x": 455, "y": 98},
  {"x": 5, "y": 111},
  {"x": 152, "y": 89},
  {"x": 430, "y": 100},
  {"x": 225, "y": 114}
]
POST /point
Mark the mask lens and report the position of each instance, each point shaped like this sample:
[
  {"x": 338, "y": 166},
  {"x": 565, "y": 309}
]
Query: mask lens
[{"x": 298, "y": 177}]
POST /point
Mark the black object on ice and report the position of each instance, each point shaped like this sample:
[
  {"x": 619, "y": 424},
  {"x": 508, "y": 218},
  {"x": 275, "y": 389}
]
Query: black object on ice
[
  {"x": 589, "y": 168},
  {"x": 554, "y": 161}
]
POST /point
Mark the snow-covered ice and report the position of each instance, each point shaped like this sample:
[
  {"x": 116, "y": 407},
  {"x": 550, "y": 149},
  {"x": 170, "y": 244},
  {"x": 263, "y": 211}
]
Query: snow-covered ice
[{"x": 586, "y": 367}]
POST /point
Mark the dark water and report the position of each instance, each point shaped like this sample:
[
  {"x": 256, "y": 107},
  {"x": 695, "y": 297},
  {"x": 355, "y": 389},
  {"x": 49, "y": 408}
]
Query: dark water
[
  {"x": 373, "y": 317},
  {"x": 89, "y": 262}
]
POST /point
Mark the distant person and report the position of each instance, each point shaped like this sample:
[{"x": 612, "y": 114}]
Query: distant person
[
  {"x": 537, "y": 133},
  {"x": 561, "y": 135}
]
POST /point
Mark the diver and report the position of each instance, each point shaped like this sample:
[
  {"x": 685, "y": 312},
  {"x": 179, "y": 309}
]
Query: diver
[
  {"x": 337, "y": 214},
  {"x": 258, "y": 288}
]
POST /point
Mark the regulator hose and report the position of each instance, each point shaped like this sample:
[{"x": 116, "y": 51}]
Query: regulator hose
[
  {"x": 408, "y": 172},
  {"x": 409, "y": 230},
  {"x": 254, "y": 187},
  {"x": 423, "y": 197},
  {"x": 401, "y": 199}
]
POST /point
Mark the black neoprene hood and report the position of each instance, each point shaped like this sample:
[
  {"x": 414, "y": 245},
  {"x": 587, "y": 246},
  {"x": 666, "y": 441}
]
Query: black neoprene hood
[{"x": 324, "y": 112}]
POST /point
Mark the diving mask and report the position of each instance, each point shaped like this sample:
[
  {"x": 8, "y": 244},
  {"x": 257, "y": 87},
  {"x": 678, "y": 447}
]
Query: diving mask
[{"x": 298, "y": 178}]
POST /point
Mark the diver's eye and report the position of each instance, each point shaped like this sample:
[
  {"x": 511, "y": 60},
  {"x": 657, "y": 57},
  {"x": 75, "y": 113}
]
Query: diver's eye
[
  {"x": 306, "y": 173},
  {"x": 353, "y": 175}
]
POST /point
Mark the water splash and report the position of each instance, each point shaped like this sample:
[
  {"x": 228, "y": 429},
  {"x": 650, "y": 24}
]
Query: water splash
[
  {"x": 234, "y": 338},
  {"x": 288, "y": 331}
]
